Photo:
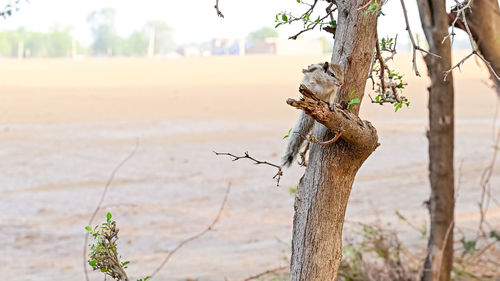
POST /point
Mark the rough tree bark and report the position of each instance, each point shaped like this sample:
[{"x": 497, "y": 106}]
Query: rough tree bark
[
  {"x": 484, "y": 22},
  {"x": 439, "y": 261},
  {"x": 324, "y": 190}
]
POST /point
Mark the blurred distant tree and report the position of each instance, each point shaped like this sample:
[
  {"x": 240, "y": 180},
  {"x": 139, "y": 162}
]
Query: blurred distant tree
[
  {"x": 263, "y": 33},
  {"x": 56, "y": 43},
  {"x": 102, "y": 25},
  {"x": 59, "y": 42},
  {"x": 135, "y": 45},
  {"x": 163, "y": 36}
]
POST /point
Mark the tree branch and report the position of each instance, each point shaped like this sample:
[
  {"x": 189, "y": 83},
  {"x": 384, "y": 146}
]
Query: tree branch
[
  {"x": 458, "y": 19},
  {"x": 414, "y": 45},
  {"x": 257, "y": 276},
  {"x": 353, "y": 129},
  {"x": 101, "y": 200},
  {"x": 219, "y": 13},
  {"x": 196, "y": 236},
  {"x": 312, "y": 139},
  {"x": 257, "y": 162}
]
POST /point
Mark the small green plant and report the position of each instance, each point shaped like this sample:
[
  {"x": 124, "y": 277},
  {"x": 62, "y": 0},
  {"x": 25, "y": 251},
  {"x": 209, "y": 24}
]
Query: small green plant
[
  {"x": 288, "y": 134},
  {"x": 293, "y": 190},
  {"x": 495, "y": 234},
  {"x": 353, "y": 102},
  {"x": 469, "y": 245},
  {"x": 391, "y": 84},
  {"x": 103, "y": 255}
]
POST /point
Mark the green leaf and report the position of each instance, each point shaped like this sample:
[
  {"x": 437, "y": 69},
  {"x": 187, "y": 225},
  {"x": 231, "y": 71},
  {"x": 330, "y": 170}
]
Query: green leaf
[
  {"x": 284, "y": 17},
  {"x": 298, "y": 1},
  {"x": 313, "y": 138},
  {"x": 88, "y": 228},
  {"x": 397, "y": 106},
  {"x": 278, "y": 24},
  {"x": 288, "y": 134},
  {"x": 333, "y": 23},
  {"x": 353, "y": 102},
  {"x": 495, "y": 234},
  {"x": 469, "y": 246},
  {"x": 93, "y": 263},
  {"x": 108, "y": 216},
  {"x": 293, "y": 190}
]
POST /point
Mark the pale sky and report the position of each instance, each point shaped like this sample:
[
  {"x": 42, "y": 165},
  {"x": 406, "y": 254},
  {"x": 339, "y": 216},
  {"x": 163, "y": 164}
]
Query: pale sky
[{"x": 191, "y": 20}]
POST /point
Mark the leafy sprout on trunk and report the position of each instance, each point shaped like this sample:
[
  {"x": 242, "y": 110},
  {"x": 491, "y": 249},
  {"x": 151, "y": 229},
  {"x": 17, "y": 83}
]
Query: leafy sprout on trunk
[{"x": 103, "y": 254}]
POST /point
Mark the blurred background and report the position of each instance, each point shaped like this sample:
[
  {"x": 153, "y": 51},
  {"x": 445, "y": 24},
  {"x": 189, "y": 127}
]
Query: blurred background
[{"x": 82, "y": 81}]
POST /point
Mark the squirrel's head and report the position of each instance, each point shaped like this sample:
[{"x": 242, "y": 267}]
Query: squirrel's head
[
  {"x": 335, "y": 73},
  {"x": 328, "y": 75}
]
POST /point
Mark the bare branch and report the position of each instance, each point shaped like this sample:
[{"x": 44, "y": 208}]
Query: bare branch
[
  {"x": 320, "y": 22},
  {"x": 309, "y": 24},
  {"x": 219, "y": 13},
  {"x": 414, "y": 45},
  {"x": 354, "y": 130},
  {"x": 312, "y": 139},
  {"x": 459, "y": 11},
  {"x": 257, "y": 276},
  {"x": 257, "y": 162},
  {"x": 196, "y": 236},
  {"x": 98, "y": 207},
  {"x": 458, "y": 65}
]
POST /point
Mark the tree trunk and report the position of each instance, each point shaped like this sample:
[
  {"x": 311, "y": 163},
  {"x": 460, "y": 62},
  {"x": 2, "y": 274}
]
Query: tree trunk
[
  {"x": 484, "y": 23},
  {"x": 323, "y": 191},
  {"x": 439, "y": 261}
]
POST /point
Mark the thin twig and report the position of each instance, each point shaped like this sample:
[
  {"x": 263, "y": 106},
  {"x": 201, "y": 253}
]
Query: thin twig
[
  {"x": 460, "y": 9},
  {"x": 257, "y": 162},
  {"x": 320, "y": 22},
  {"x": 414, "y": 45},
  {"x": 257, "y": 276},
  {"x": 303, "y": 161},
  {"x": 485, "y": 185},
  {"x": 381, "y": 74},
  {"x": 98, "y": 207},
  {"x": 309, "y": 24},
  {"x": 196, "y": 236},
  {"x": 312, "y": 139},
  {"x": 219, "y": 13}
]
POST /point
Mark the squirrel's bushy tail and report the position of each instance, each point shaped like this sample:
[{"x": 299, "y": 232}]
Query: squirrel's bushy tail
[{"x": 301, "y": 129}]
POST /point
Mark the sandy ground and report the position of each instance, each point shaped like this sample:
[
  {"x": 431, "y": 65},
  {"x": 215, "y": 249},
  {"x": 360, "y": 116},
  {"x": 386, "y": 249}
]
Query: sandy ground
[{"x": 65, "y": 125}]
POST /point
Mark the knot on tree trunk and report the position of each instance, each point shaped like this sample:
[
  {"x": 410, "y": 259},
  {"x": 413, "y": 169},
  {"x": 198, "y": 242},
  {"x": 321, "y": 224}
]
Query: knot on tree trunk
[{"x": 355, "y": 131}]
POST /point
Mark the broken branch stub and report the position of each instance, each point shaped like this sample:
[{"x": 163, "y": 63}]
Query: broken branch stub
[{"x": 359, "y": 133}]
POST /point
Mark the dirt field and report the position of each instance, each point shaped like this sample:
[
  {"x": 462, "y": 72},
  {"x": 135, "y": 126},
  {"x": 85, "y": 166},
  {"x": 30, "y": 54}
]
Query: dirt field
[{"x": 65, "y": 125}]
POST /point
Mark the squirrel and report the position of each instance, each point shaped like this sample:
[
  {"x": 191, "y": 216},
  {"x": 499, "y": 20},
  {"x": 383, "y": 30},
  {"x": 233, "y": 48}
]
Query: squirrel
[{"x": 324, "y": 80}]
